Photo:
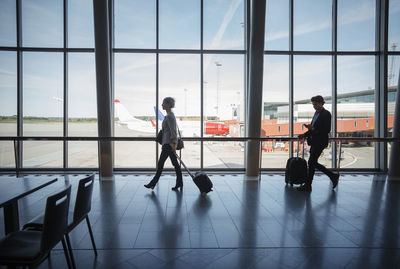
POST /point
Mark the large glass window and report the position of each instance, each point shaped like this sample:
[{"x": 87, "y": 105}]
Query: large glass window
[
  {"x": 224, "y": 24},
  {"x": 277, "y": 25},
  {"x": 135, "y": 24},
  {"x": 42, "y": 23},
  {"x": 180, "y": 24},
  {"x": 179, "y": 78},
  {"x": 8, "y": 28},
  {"x": 394, "y": 22},
  {"x": 80, "y": 24},
  {"x": 312, "y": 76},
  {"x": 312, "y": 25},
  {"x": 275, "y": 110},
  {"x": 356, "y": 25},
  {"x": 8, "y": 93},
  {"x": 43, "y": 94},
  {"x": 134, "y": 108},
  {"x": 393, "y": 78},
  {"x": 82, "y": 109},
  {"x": 356, "y": 108}
]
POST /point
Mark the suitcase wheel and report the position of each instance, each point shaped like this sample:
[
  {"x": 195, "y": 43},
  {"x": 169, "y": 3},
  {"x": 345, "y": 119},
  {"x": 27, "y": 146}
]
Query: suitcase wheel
[{"x": 291, "y": 184}]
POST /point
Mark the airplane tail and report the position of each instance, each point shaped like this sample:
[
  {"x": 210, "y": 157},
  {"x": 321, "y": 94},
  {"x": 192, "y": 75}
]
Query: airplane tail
[
  {"x": 160, "y": 114},
  {"x": 121, "y": 112},
  {"x": 152, "y": 123}
]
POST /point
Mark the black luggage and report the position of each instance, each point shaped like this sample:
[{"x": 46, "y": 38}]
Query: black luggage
[
  {"x": 296, "y": 168},
  {"x": 200, "y": 178}
]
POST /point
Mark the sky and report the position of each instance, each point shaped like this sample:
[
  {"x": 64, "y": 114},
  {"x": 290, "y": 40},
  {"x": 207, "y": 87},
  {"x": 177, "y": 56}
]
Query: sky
[{"x": 179, "y": 74}]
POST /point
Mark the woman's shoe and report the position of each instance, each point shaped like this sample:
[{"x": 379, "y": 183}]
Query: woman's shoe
[
  {"x": 150, "y": 186},
  {"x": 176, "y": 188}
]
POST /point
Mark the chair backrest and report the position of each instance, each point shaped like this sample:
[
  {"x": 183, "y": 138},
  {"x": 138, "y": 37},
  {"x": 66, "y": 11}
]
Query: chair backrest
[
  {"x": 55, "y": 221},
  {"x": 83, "y": 201}
]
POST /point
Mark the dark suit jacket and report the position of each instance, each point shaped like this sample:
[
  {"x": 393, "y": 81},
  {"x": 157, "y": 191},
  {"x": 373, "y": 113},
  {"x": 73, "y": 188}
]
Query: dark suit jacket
[{"x": 319, "y": 135}]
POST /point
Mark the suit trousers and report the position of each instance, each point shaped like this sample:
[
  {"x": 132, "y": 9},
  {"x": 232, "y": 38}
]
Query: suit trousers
[
  {"x": 315, "y": 153},
  {"x": 166, "y": 151}
]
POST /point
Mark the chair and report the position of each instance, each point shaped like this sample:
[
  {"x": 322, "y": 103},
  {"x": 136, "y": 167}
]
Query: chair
[
  {"x": 81, "y": 210},
  {"x": 30, "y": 248}
]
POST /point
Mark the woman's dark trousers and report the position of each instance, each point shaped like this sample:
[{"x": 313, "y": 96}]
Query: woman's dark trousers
[{"x": 166, "y": 151}]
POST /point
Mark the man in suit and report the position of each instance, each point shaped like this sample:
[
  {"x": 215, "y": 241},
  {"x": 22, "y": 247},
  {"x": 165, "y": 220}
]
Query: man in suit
[{"x": 317, "y": 137}]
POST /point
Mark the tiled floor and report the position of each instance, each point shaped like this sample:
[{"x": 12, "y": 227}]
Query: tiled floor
[{"x": 241, "y": 224}]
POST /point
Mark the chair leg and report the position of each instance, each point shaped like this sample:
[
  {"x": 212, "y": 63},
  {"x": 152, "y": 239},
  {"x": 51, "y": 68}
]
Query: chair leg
[
  {"x": 91, "y": 235},
  {"x": 71, "y": 255},
  {"x": 66, "y": 253}
]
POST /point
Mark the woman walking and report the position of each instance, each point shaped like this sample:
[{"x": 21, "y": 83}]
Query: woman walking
[{"x": 169, "y": 140}]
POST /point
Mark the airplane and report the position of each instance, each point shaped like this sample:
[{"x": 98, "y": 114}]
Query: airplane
[{"x": 187, "y": 127}]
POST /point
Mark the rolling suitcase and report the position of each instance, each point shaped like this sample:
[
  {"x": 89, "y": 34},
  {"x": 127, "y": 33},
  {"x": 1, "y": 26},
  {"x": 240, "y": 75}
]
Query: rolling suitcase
[
  {"x": 200, "y": 178},
  {"x": 296, "y": 168}
]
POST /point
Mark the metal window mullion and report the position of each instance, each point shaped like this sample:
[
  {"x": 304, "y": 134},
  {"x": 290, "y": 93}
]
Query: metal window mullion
[
  {"x": 334, "y": 81},
  {"x": 19, "y": 85},
  {"x": 246, "y": 70},
  {"x": 65, "y": 86},
  {"x": 201, "y": 83},
  {"x": 112, "y": 65},
  {"x": 291, "y": 75},
  {"x": 381, "y": 44},
  {"x": 157, "y": 70}
]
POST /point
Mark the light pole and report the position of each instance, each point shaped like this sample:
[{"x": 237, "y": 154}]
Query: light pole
[
  {"x": 185, "y": 101},
  {"x": 218, "y": 65}
]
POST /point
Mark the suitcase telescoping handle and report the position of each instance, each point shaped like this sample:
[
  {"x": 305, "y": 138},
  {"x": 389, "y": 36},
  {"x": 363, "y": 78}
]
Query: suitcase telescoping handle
[
  {"x": 298, "y": 146},
  {"x": 340, "y": 155},
  {"x": 187, "y": 169}
]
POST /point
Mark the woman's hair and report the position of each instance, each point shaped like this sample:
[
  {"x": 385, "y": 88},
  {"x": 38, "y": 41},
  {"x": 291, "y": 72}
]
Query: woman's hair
[{"x": 169, "y": 101}]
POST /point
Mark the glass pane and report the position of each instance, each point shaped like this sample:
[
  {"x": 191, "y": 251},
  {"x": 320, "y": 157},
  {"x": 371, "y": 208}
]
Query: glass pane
[
  {"x": 312, "y": 25},
  {"x": 135, "y": 91},
  {"x": 7, "y": 157},
  {"x": 356, "y": 25},
  {"x": 43, "y": 94},
  {"x": 82, "y": 103},
  {"x": 312, "y": 76},
  {"x": 82, "y": 154},
  {"x": 42, "y": 23},
  {"x": 39, "y": 154},
  {"x": 190, "y": 155},
  {"x": 277, "y": 25},
  {"x": 135, "y": 154},
  {"x": 224, "y": 94},
  {"x": 394, "y": 22},
  {"x": 8, "y": 27},
  {"x": 80, "y": 24},
  {"x": 223, "y": 155},
  {"x": 180, "y": 79},
  {"x": 135, "y": 24},
  {"x": 276, "y": 110},
  {"x": 179, "y": 24},
  {"x": 8, "y": 93},
  {"x": 393, "y": 78},
  {"x": 356, "y": 108},
  {"x": 224, "y": 24}
]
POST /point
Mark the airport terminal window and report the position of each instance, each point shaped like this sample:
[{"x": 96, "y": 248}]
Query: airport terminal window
[
  {"x": 8, "y": 105},
  {"x": 276, "y": 110},
  {"x": 8, "y": 27},
  {"x": 394, "y": 22},
  {"x": 223, "y": 24},
  {"x": 135, "y": 24},
  {"x": 277, "y": 25},
  {"x": 42, "y": 23},
  {"x": 135, "y": 76},
  {"x": 80, "y": 24},
  {"x": 312, "y": 25},
  {"x": 179, "y": 24},
  {"x": 356, "y": 25}
]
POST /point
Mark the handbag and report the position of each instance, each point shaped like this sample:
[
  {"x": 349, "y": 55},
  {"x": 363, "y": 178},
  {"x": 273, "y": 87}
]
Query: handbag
[
  {"x": 159, "y": 137},
  {"x": 179, "y": 141}
]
